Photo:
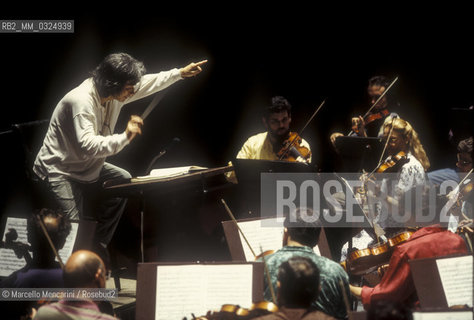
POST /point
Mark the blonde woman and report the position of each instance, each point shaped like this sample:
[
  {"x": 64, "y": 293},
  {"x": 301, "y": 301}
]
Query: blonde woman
[{"x": 402, "y": 139}]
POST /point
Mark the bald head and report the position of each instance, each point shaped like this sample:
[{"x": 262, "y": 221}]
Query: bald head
[{"x": 84, "y": 269}]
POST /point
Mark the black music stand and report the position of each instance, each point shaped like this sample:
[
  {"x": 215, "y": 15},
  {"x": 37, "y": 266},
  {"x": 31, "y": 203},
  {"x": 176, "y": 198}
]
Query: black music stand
[
  {"x": 248, "y": 173},
  {"x": 359, "y": 153}
]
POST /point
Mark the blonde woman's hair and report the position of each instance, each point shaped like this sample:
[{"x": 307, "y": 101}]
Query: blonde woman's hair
[{"x": 414, "y": 145}]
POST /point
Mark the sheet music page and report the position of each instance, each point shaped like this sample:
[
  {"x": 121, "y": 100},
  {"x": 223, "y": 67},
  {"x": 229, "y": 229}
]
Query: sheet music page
[
  {"x": 10, "y": 262},
  {"x": 268, "y": 238},
  {"x": 195, "y": 289},
  {"x": 460, "y": 315},
  {"x": 456, "y": 279},
  {"x": 268, "y": 234},
  {"x": 162, "y": 173},
  {"x": 66, "y": 251}
]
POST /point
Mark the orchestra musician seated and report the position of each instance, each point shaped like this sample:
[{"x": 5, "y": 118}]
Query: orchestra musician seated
[
  {"x": 297, "y": 288},
  {"x": 299, "y": 239},
  {"x": 371, "y": 124},
  {"x": 83, "y": 269},
  {"x": 267, "y": 145},
  {"x": 41, "y": 270},
  {"x": 431, "y": 240}
]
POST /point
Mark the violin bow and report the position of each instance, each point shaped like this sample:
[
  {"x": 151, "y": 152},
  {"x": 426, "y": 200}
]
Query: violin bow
[
  {"x": 301, "y": 132},
  {"x": 269, "y": 280},
  {"x": 377, "y": 101},
  {"x": 237, "y": 225},
  {"x": 253, "y": 252},
  {"x": 46, "y": 234}
]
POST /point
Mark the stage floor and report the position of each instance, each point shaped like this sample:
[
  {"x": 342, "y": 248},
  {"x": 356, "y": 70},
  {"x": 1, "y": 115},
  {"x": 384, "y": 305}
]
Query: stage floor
[{"x": 124, "y": 305}]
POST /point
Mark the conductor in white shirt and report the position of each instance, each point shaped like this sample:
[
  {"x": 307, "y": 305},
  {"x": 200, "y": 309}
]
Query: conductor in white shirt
[{"x": 81, "y": 135}]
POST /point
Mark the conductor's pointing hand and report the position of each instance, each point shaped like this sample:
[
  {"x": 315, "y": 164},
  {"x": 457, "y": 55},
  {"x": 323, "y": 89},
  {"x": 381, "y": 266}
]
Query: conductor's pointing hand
[{"x": 192, "y": 69}]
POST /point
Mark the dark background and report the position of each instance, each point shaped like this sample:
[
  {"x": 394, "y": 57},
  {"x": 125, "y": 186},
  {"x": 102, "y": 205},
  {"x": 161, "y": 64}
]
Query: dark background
[{"x": 305, "y": 53}]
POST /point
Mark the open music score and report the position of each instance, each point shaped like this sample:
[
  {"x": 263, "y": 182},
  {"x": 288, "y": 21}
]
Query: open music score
[
  {"x": 456, "y": 278},
  {"x": 186, "y": 289},
  {"x": 194, "y": 174}
]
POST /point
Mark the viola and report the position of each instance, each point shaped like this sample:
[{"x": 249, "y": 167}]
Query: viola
[{"x": 292, "y": 149}]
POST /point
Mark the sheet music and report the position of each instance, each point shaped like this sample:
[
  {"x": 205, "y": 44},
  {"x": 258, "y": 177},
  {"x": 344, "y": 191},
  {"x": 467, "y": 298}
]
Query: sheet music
[
  {"x": 459, "y": 315},
  {"x": 10, "y": 262},
  {"x": 268, "y": 237},
  {"x": 66, "y": 251},
  {"x": 195, "y": 289},
  {"x": 456, "y": 279}
]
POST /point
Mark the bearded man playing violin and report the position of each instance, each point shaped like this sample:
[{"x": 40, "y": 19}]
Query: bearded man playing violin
[{"x": 266, "y": 145}]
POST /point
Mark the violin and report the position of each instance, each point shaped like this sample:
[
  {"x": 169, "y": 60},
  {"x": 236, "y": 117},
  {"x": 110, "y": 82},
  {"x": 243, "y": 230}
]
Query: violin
[
  {"x": 376, "y": 116},
  {"x": 293, "y": 150},
  {"x": 371, "y": 117},
  {"x": 363, "y": 261},
  {"x": 264, "y": 254},
  {"x": 233, "y": 311},
  {"x": 393, "y": 163}
]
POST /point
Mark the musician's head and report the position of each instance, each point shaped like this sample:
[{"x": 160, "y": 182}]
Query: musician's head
[
  {"x": 118, "y": 76},
  {"x": 464, "y": 155},
  {"x": 277, "y": 118},
  {"x": 301, "y": 227},
  {"x": 57, "y": 226},
  {"x": 298, "y": 283},
  {"x": 402, "y": 137},
  {"x": 84, "y": 269},
  {"x": 376, "y": 87}
]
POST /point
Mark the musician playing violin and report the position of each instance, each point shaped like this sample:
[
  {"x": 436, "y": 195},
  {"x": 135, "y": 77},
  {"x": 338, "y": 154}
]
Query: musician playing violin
[
  {"x": 42, "y": 271},
  {"x": 405, "y": 164},
  {"x": 431, "y": 241},
  {"x": 266, "y": 145},
  {"x": 371, "y": 124}
]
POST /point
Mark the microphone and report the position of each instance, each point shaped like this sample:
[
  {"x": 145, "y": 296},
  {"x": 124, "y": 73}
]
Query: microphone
[{"x": 162, "y": 153}]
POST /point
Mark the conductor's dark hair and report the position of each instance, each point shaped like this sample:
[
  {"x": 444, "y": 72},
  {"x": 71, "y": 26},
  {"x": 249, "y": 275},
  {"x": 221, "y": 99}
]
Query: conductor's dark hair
[
  {"x": 279, "y": 104},
  {"x": 57, "y": 231},
  {"x": 301, "y": 228},
  {"x": 116, "y": 71},
  {"x": 299, "y": 283}
]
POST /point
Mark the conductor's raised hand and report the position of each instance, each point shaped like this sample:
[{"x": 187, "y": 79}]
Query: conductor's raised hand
[
  {"x": 134, "y": 127},
  {"x": 192, "y": 69}
]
